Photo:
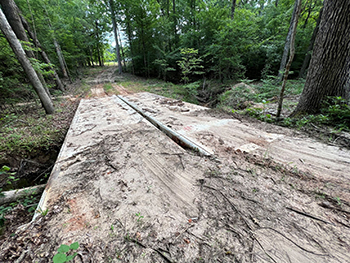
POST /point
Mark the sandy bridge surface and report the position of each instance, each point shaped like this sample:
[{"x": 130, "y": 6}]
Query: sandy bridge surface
[{"x": 128, "y": 193}]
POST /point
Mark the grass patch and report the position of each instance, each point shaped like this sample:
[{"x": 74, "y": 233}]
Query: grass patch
[
  {"x": 167, "y": 89},
  {"x": 108, "y": 87},
  {"x": 26, "y": 128}
]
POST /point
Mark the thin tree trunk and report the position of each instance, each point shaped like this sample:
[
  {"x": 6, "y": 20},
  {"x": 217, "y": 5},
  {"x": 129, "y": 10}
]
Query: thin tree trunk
[
  {"x": 111, "y": 6},
  {"x": 24, "y": 61},
  {"x": 291, "y": 56},
  {"x": 121, "y": 47},
  {"x": 98, "y": 45},
  {"x": 60, "y": 56},
  {"x": 143, "y": 47},
  {"x": 31, "y": 14},
  {"x": 311, "y": 46},
  {"x": 91, "y": 57},
  {"x": 14, "y": 195},
  {"x": 286, "y": 46},
  {"x": 176, "y": 37},
  {"x": 43, "y": 53},
  {"x": 328, "y": 73},
  {"x": 233, "y": 7},
  {"x": 11, "y": 12},
  {"x": 128, "y": 29}
]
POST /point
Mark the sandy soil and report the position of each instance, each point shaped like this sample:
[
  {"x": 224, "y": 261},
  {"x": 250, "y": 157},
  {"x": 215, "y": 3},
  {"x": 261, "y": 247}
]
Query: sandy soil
[{"x": 128, "y": 193}]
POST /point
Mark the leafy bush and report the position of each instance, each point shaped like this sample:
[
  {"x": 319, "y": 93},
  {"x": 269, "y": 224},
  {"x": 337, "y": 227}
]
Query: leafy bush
[{"x": 337, "y": 111}]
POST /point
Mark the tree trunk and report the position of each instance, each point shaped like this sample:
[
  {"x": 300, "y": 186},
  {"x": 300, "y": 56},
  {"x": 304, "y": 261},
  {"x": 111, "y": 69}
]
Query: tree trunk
[
  {"x": 176, "y": 37},
  {"x": 14, "y": 195},
  {"x": 286, "y": 46},
  {"x": 309, "y": 49},
  {"x": 128, "y": 30},
  {"x": 291, "y": 56},
  {"x": 43, "y": 53},
  {"x": 60, "y": 56},
  {"x": 328, "y": 74},
  {"x": 121, "y": 48},
  {"x": 98, "y": 45},
  {"x": 11, "y": 12},
  {"x": 233, "y": 7},
  {"x": 22, "y": 58},
  {"x": 111, "y": 6}
]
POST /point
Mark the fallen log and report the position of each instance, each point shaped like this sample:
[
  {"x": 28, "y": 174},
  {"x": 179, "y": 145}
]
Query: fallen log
[{"x": 14, "y": 195}]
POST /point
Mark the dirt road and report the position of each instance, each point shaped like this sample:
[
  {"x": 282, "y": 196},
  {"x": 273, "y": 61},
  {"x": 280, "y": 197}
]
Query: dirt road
[{"x": 128, "y": 193}]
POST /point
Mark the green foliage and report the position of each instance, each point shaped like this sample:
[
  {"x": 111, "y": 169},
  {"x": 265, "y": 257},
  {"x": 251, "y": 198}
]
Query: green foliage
[
  {"x": 29, "y": 202},
  {"x": 63, "y": 253},
  {"x": 139, "y": 217},
  {"x": 189, "y": 64},
  {"x": 337, "y": 111},
  {"x": 22, "y": 133}
]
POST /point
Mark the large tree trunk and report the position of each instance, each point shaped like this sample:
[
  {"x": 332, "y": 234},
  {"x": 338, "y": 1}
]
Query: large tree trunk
[
  {"x": 286, "y": 46},
  {"x": 43, "y": 53},
  {"x": 22, "y": 58},
  {"x": 329, "y": 71},
  {"x": 11, "y": 12},
  {"x": 310, "y": 47},
  {"x": 111, "y": 6}
]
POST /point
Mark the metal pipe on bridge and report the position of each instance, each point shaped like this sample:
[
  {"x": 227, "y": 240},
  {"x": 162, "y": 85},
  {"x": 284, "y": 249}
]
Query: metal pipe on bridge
[{"x": 176, "y": 137}]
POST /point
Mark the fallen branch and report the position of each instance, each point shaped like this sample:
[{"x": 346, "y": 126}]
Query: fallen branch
[{"x": 14, "y": 195}]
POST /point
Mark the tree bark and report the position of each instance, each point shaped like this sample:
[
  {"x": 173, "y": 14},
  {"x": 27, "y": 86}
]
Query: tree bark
[
  {"x": 24, "y": 61},
  {"x": 43, "y": 53},
  {"x": 291, "y": 56},
  {"x": 310, "y": 47},
  {"x": 111, "y": 6},
  {"x": 329, "y": 73},
  {"x": 286, "y": 46}
]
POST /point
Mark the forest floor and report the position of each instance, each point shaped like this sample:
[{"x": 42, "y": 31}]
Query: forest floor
[{"x": 127, "y": 193}]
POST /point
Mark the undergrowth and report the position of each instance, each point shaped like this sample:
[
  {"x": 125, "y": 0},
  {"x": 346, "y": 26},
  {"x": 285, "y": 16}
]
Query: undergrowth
[
  {"x": 259, "y": 101},
  {"x": 24, "y": 129},
  {"x": 176, "y": 91}
]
